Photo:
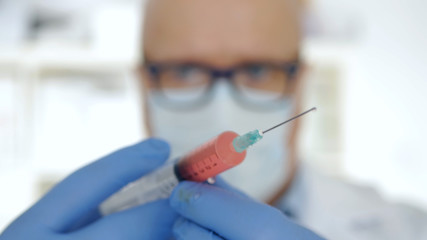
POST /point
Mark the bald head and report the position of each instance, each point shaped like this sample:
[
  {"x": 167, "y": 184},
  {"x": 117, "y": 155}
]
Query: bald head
[{"x": 221, "y": 33}]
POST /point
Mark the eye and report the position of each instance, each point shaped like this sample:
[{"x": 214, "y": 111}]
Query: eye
[
  {"x": 257, "y": 72},
  {"x": 187, "y": 72},
  {"x": 185, "y": 75}
]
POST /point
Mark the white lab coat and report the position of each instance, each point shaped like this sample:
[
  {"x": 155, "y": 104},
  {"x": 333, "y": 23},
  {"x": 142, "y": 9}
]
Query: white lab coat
[{"x": 339, "y": 210}]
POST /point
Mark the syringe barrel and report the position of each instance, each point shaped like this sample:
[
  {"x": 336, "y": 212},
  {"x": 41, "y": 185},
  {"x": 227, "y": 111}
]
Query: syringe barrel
[
  {"x": 208, "y": 160},
  {"x": 154, "y": 186}
]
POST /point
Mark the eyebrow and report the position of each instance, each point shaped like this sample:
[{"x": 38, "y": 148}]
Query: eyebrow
[{"x": 296, "y": 58}]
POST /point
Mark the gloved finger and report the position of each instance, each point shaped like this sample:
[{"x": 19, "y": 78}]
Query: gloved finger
[
  {"x": 82, "y": 192},
  {"x": 220, "y": 182},
  {"x": 231, "y": 215},
  {"x": 184, "y": 229},
  {"x": 149, "y": 221}
]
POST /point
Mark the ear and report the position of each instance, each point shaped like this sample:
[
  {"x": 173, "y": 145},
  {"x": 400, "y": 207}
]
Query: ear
[{"x": 144, "y": 78}]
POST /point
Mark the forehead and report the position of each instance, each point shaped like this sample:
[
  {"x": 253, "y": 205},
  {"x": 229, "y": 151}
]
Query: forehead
[{"x": 221, "y": 32}]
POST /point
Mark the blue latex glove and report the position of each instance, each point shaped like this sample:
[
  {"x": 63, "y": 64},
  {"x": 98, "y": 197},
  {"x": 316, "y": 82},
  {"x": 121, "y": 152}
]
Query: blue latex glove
[
  {"x": 70, "y": 209},
  {"x": 213, "y": 213}
]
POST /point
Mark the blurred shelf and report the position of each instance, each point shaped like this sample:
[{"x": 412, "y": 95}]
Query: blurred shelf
[
  {"x": 39, "y": 57},
  {"x": 327, "y": 50}
]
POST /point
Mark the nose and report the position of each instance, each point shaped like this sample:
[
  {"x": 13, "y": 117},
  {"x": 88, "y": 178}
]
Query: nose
[{"x": 227, "y": 74}]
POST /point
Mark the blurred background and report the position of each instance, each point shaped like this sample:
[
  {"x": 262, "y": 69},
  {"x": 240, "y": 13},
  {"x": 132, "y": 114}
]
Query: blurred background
[{"x": 68, "y": 93}]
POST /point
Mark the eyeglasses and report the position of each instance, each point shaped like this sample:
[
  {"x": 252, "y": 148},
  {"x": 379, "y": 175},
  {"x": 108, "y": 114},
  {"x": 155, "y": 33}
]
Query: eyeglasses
[{"x": 255, "y": 85}]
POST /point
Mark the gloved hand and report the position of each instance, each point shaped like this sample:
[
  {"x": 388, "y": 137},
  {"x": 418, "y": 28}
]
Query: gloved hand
[
  {"x": 69, "y": 210},
  {"x": 213, "y": 213}
]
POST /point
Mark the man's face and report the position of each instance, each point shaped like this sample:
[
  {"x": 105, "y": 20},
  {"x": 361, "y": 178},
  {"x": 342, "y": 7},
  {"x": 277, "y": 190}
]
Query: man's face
[{"x": 221, "y": 33}]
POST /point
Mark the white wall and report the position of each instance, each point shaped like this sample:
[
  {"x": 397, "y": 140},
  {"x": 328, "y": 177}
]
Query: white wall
[{"x": 386, "y": 100}]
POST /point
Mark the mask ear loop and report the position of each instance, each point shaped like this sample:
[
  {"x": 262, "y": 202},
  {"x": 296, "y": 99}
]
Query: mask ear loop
[
  {"x": 289, "y": 181},
  {"x": 296, "y": 72},
  {"x": 291, "y": 169}
]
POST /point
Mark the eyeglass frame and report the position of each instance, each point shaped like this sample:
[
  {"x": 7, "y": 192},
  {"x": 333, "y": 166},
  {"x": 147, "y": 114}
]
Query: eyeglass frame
[{"x": 290, "y": 69}]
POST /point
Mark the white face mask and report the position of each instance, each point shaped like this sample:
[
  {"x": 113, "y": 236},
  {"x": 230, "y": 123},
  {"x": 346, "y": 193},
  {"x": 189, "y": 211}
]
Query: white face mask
[{"x": 263, "y": 170}]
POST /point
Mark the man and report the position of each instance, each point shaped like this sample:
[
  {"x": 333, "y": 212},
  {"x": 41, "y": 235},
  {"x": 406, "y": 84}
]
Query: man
[
  {"x": 185, "y": 40},
  {"x": 209, "y": 66}
]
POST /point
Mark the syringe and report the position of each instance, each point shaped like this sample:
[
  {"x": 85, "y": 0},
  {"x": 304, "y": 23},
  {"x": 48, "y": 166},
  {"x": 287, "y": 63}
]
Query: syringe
[{"x": 223, "y": 152}]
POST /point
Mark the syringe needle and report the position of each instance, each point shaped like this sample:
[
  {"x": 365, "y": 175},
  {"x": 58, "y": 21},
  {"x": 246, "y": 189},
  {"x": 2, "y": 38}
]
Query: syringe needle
[{"x": 297, "y": 116}]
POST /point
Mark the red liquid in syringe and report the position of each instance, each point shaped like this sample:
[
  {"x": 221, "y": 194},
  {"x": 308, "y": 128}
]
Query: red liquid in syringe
[{"x": 210, "y": 159}]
